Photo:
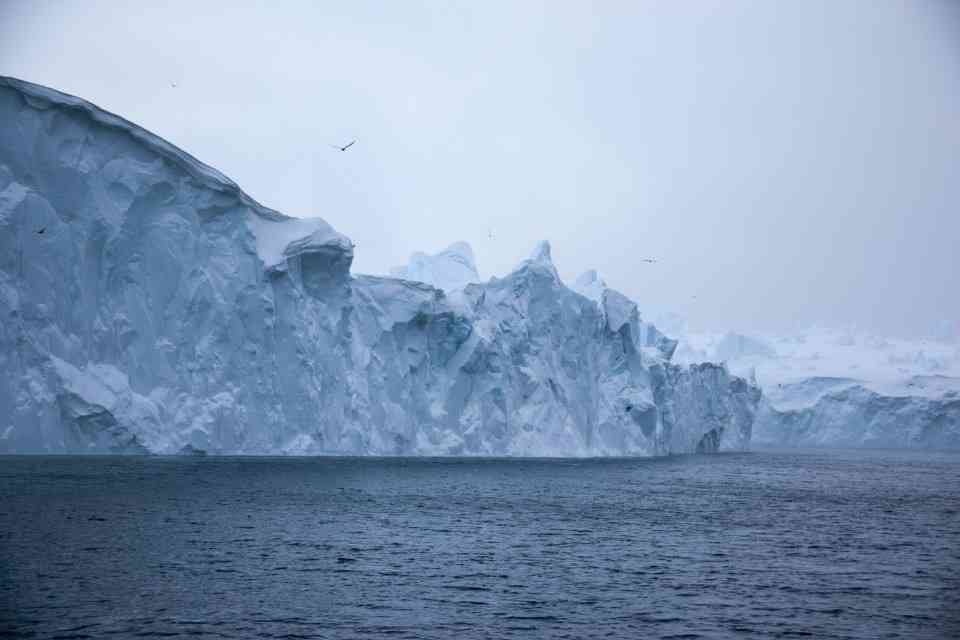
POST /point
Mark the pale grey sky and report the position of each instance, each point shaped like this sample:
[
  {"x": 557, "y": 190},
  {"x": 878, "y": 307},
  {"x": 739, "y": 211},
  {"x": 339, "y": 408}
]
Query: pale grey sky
[{"x": 787, "y": 163}]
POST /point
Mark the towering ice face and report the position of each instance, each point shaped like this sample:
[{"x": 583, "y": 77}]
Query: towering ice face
[
  {"x": 561, "y": 374},
  {"x": 150, "y": 305},
  {"x": 451, "y": 269}
]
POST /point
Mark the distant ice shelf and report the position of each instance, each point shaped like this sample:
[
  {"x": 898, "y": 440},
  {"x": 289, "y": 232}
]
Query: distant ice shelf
[{"x": 846, "y": 388}]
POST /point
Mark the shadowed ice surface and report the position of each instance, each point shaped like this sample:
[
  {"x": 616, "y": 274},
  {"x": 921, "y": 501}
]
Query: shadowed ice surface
[{"x": 829, "y": 544}]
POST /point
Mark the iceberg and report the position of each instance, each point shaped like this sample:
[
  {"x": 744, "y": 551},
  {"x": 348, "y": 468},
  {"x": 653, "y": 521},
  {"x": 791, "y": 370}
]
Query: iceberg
[
  {"x": 844, "y": 388},
  {"x": 921, "y": 413},
  {"x": 151, "y": 306},
  {"x": 450, "y": 270}
]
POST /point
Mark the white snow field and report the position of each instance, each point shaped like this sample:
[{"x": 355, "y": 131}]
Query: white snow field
[
  {"x": 831, "y": 387},
  {"x": 150, "y": 305}
]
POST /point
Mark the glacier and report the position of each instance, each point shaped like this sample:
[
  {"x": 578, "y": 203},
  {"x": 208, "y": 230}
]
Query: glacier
[
  {"x": 151, "y": 306},
  {"x": 828, "y": 387}
]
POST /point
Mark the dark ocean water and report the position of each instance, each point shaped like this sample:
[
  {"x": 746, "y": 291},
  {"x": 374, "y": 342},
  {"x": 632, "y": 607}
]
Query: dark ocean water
[{"x": 825, "y": 544}]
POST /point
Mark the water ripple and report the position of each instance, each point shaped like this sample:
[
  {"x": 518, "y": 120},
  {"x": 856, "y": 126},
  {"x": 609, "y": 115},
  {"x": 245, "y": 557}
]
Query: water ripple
[{"x": 766, "y": 545}]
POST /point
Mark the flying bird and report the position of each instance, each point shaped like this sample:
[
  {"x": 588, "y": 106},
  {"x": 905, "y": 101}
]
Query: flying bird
[
  {"x": 336, "y": 146},
  {"x": 649, "y": 260},
  {"x": 173, "y": 85},
  {"x": 42, "y": 229}
]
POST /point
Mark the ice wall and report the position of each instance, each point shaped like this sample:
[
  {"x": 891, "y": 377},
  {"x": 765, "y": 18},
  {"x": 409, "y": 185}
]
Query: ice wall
[
  {"x": 921, "y": 413},
  {"x": 149, "y": 305}
]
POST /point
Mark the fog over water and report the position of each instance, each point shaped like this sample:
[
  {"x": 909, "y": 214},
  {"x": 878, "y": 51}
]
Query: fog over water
[{"x": 785, "y": 163}]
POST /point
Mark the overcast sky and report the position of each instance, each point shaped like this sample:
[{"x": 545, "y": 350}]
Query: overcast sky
[{"x": 786, "y": 163}]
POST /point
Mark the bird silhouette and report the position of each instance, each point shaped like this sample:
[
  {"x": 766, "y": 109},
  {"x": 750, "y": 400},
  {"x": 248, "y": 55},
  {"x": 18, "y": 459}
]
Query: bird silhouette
[
  {"x": 648, "y": 260},
  {"x": 336, "y": 146},
  {"x": 40, "y": 232}
]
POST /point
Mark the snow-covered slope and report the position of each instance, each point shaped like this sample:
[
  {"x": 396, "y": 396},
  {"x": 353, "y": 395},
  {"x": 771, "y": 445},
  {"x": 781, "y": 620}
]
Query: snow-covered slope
[
  {"x": 149, "y": 304},
  {"x": 450, "y": 270},
  {"x": 828, "y": 387}
]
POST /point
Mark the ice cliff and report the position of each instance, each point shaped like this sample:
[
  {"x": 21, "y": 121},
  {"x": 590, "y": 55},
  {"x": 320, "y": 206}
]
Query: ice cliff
[
  {"x": 843, "y": 388},
  {"x": 150, "y": 305}
]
